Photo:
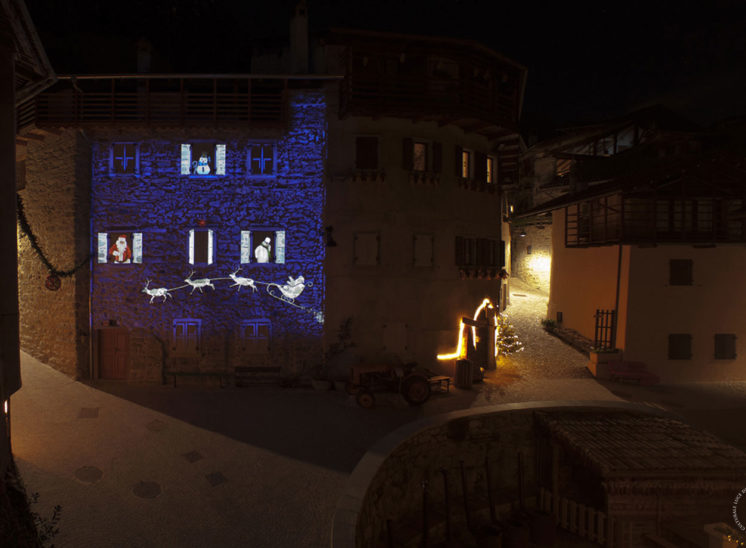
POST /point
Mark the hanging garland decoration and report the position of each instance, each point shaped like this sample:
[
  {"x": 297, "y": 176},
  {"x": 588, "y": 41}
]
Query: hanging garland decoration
[{"x": 53, "y": 280}]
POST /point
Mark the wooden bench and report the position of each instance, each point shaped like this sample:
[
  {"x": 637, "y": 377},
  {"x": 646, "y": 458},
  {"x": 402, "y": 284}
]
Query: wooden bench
[
  {"x": 631, "y": 371},
  {"x": 442, "y": 383},
  {"x": 224, "y": 378}
]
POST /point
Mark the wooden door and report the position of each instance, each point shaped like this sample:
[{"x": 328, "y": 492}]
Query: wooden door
[{"x": 113, "y": 346}]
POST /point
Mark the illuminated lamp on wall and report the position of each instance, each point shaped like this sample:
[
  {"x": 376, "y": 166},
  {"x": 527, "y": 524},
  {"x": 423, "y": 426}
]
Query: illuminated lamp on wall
[
  {"x": 460, "y": 352},
  {"x": 523, "y": 233}
]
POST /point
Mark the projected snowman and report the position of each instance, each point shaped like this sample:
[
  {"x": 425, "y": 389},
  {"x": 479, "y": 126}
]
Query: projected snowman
[{"x": 202, "y": 166}]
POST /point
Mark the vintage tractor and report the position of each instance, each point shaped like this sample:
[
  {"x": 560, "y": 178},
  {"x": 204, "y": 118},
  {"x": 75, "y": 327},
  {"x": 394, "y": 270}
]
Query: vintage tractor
[{"x": 408, "y": 380}]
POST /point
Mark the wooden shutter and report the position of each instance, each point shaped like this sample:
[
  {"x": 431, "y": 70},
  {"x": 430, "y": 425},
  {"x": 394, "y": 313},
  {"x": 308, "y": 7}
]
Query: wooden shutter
[
  {"x": 407, "y": 154},
  {"x": 679, "y": 346},
  {"x": 680, "y": 272},
  {"x": 460, "y": 255},
  {"x": 457, "y": 161},
  {"x": 725, "y": 346},
  {"x": 480, "y": 167},
  {"x": 366, "y": 152},
  {"x": 501, "y": 258},
  {"x": 437, "y": 157}
]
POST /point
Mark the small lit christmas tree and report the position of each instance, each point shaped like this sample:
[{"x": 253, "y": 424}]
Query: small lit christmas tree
[{"x": 507, "y": 340}]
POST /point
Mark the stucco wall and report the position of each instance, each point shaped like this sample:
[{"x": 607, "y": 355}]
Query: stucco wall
[
  {"x": 714, "y": 303},
  {"x": 54, "y": 324},
  {"x": 583, "y": 280},
  {"x": 398, "y": 308}
]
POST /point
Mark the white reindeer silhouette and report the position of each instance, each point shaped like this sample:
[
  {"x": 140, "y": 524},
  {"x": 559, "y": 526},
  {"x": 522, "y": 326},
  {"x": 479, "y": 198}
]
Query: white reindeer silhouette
[
  {"x": 241, "y": 281},
  {"x": 198, "y": 284},
  {"x": 156, "y": 292}
]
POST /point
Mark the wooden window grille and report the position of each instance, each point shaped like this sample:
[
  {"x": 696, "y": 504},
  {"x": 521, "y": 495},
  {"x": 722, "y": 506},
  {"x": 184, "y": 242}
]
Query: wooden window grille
[{"x": 605, "y": 332}]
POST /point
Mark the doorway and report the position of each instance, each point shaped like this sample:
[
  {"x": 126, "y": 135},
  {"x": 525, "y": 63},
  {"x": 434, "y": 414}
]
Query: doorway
[{"x": 113, "y": 351}]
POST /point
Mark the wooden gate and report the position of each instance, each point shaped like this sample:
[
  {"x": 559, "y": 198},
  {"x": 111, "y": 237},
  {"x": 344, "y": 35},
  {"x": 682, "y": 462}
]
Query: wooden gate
[{"x": 113, "y": 350}]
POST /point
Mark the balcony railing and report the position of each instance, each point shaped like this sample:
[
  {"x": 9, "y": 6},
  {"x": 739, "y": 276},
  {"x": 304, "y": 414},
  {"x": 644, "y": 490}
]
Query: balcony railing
[
  {"x": 427, "y": 98},
  {"x": 160, "y": 100}
]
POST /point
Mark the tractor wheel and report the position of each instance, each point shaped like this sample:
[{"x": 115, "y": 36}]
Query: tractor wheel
[
  {"x": 365, "y": 398},
  {"x": 416, "y": 390}
]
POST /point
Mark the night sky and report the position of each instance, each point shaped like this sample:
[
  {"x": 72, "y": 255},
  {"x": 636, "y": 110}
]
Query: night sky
[{"x": 586, "y": 60}]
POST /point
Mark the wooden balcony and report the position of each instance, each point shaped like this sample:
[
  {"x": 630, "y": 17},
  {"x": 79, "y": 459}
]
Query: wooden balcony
[
  {"x": 616, "y": 219},
  {"x": 163, "y": 100}
]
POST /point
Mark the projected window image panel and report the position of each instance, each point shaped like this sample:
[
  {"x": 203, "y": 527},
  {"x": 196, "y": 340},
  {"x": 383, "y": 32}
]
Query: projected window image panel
[
  {"x": 262, "y": 246},
  {"x": 201, "y": 246},
  {"x": 120, "y": 247},
  {"x": 261, "y": 159},
  {"x": 123, "y": 159},
  {"x": 203, "y": 159}
]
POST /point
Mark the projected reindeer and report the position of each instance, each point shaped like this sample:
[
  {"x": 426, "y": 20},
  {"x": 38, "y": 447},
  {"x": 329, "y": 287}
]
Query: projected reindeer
[
  {"x": 156, "y": 292},
  {"x": 198, "y": 284},
  {"x": 241, "y": 281}
]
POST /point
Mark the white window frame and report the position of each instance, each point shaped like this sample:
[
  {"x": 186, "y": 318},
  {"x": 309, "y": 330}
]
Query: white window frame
[
  {"x": 136, "y": 159},
  {"x": 186, "y": 349},
  {"x": 219, "y": 153},
  {"x": 255, "y": 323},
  {"x": 210, "y": 245},
  {"x": 103, "y": 247},
  {"x": 248, "y": 244},
  {"x": 249, "y": 158}
]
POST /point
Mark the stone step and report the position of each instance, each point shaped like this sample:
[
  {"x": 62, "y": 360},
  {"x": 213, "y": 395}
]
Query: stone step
[{"x": 250, "y": 376}]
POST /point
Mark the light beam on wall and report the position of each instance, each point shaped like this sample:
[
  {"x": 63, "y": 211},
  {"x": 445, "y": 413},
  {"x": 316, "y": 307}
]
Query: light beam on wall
[{"x": 460, "y": 352}]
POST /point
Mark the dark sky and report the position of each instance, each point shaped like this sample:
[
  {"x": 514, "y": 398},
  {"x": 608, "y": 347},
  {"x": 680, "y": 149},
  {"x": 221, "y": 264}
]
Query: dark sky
[{"x": 586, "y": 60}]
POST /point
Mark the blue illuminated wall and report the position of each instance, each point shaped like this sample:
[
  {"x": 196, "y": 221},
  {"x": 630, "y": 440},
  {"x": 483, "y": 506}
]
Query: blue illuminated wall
[{"x": 164, "y": 205}]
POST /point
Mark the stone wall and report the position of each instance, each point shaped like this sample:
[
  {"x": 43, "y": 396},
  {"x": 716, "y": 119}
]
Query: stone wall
[
  {"x": 54, "y": 324},
  {"x": 164, "y": 205},
  {"x": 493, "y": 440},
  {"x": 531, "y": 255}
]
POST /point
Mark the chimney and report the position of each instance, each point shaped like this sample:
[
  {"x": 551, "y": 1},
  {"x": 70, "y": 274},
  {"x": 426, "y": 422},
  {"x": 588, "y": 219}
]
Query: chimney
[
  {"x": 299, "y": 39},
  {"x": 144, "y": 48}
]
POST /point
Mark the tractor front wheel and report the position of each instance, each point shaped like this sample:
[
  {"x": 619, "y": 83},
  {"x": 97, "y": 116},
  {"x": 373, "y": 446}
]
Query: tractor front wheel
[
  {"x": 416, "y": 390},
  {"x": 365, "y": 398}
]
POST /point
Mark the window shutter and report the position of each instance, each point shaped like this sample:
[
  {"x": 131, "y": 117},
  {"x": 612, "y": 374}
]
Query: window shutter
[
  {"x": 201, "y": 246},
  {"x": 457, "y": 161},
  {"x": 679, "y": 346},
  {"x": 437, "y": 157},
  {"x": 725, "y": 346},
  {"x": 407, "y": 154},
  {"x": 480, "y": 167},
  {"x": 680, "y": 272},
  {"x": 502, "y": 254},
  {"x": 366, "y": 152},
  {"x": 460, "y": 255}
]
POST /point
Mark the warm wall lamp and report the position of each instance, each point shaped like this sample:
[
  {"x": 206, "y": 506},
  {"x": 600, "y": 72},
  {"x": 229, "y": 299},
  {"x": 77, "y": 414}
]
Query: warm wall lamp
[{"x": 523, "y": 233}]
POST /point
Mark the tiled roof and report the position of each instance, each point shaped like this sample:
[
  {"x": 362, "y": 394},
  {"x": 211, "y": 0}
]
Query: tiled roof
[{"x": 620, "y": 444}]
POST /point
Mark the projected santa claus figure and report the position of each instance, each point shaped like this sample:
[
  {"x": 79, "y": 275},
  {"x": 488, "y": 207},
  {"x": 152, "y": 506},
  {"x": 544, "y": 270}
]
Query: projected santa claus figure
[{"x": 120, "y": 252}]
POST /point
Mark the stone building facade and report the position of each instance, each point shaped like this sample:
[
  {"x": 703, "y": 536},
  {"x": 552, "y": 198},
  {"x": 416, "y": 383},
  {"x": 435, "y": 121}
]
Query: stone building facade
[{"x": 146, "y": 193}]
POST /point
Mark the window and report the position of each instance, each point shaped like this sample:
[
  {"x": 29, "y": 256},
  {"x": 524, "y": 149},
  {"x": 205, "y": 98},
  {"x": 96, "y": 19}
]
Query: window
[
  {"x": 679, "y": 346},
  {"x": 423, "y": 250},
  {"x": 366, "y": 153},
  {"x": 261, "y": 159},
  {"x": 725, "y": 346},
  {"x": 466, "y": 164},
  {"x": 419, "y": 157},
  {"x": 124, "y": 159},
  {"x": 262, "y": 246},
  {"x": 124, "y": 248},
  {"x": 201, "y": 246},
  {"x": 478, "y": 252},
  {"x": 367, "y": 248},
  {"x": 202, "y": 159},
  {"x": 186, "y": 336},
  {"x": 491, "y": 173},
  {"x": 680, "y": 272},
  {"x": 255, "y": 336}
]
